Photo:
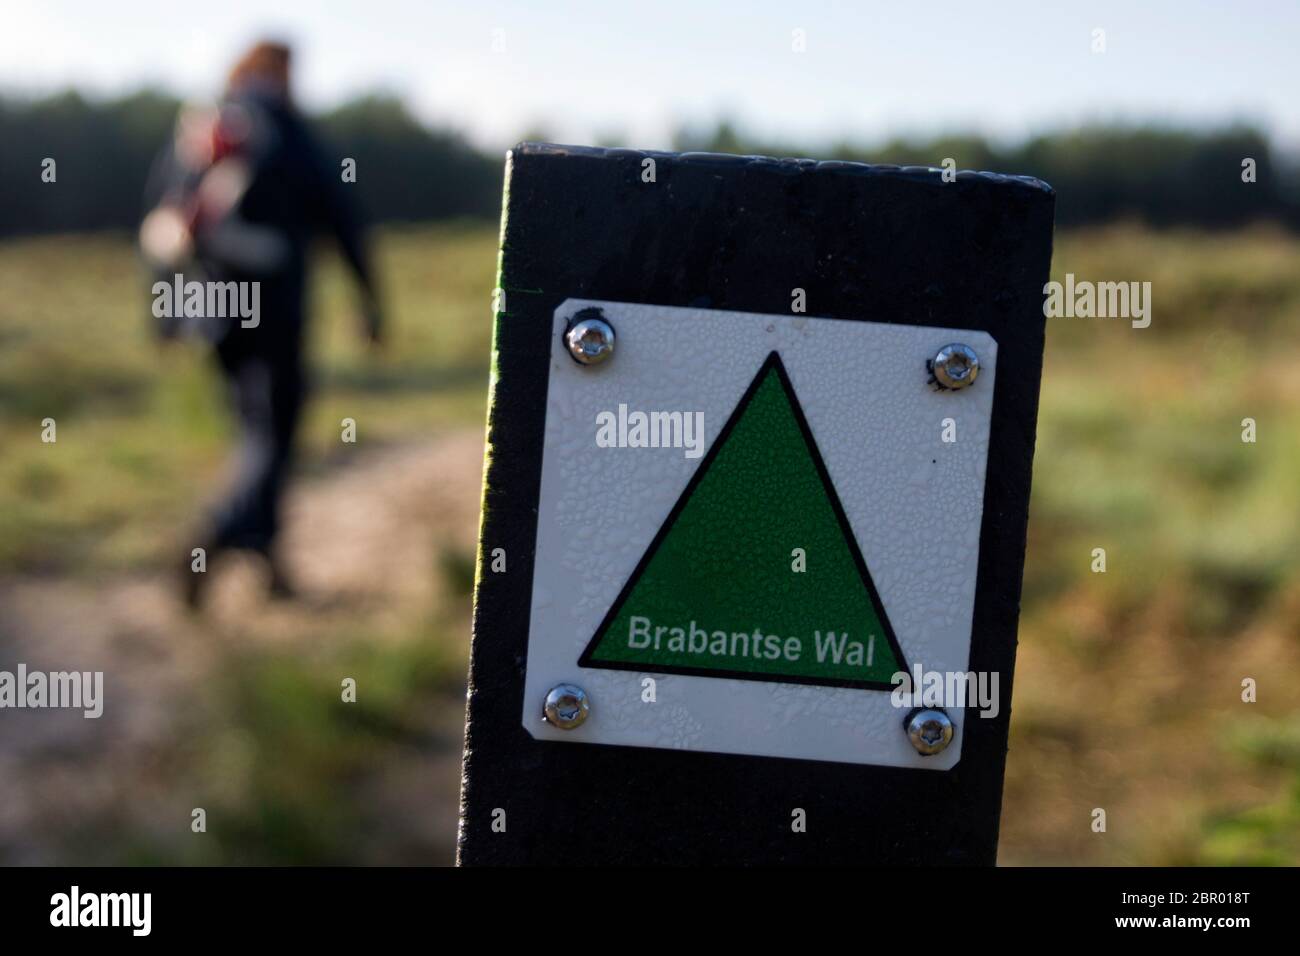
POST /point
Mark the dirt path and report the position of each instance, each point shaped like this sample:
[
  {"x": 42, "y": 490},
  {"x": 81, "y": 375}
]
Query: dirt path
[{"x": 363, "y": 538}]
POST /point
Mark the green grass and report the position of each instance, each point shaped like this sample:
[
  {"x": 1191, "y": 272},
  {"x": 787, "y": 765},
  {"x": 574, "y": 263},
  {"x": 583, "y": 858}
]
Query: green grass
[
  {"x": 1127, "y": 693},
  {"x": 296, "y": 752},
  {"x": 1129, "y": 681},
  {"x": 142, "y": 429},
  {"x": 279, "y": 762}
]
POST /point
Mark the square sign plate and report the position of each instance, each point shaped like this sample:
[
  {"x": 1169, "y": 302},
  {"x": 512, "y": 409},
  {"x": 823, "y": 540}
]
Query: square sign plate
[{"x": 748, "y": 524}]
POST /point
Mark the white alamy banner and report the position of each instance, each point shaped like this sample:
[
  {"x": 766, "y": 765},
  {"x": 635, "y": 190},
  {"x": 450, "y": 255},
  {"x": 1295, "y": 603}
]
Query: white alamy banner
[{"x": 22, "y": 688}]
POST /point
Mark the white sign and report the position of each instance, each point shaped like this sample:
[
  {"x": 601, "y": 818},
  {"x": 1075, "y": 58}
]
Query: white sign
[{"x": 748, "y": 524}]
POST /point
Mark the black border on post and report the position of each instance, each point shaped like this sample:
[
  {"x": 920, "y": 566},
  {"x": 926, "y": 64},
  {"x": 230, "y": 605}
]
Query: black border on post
[{"x": 739, "y": 233}]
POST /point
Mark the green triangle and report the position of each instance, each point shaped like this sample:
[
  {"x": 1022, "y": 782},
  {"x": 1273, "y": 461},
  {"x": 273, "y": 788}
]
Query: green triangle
[{"x": 716, "y": 593}]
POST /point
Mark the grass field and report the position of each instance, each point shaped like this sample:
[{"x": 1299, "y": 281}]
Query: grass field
[{"x": 1128, "y": 687}]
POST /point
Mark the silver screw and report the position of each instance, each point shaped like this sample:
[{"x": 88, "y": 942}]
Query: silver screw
[
  {"x": 566, "y": 706},
  {"x": 589, "y": 338},
  {"x": 955, "y": 366},
  {"x": 930, "y": 731}
]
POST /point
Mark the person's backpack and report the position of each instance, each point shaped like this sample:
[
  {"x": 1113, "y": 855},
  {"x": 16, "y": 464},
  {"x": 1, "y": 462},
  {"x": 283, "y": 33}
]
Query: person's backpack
[{"x": 195, "y": 230}]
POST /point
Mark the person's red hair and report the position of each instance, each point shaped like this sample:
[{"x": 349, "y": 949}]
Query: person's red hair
[{"x": 265, "y": 65}]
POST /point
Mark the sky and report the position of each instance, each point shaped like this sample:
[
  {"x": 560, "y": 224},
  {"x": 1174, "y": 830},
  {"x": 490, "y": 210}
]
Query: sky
[{"x": 632, "y": 72}]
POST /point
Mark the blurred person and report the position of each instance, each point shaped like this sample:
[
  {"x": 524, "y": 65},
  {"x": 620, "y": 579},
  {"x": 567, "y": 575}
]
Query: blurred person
[{"x": 238, "y": 196}]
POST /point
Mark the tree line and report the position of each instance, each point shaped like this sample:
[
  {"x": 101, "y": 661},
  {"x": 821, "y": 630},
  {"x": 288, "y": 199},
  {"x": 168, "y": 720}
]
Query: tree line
[{"x": 408, "y": 171}]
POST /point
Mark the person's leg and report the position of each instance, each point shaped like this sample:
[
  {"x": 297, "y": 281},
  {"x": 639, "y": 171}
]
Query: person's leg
[
  {"x": 287, "y": 399},
  {"x": 240, "y": 519}
]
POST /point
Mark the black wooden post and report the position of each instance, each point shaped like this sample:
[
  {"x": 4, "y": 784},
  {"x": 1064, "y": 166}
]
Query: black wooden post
[{"x": 733, "y": 233}]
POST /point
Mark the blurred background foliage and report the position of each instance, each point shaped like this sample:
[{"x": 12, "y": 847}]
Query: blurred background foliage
[
  {"x": 1160, "y": 175},
  {"x": 1128, "y": 688}
]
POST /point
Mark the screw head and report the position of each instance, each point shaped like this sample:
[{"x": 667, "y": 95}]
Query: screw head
[
  {"x": 566, "y": 706},
  {"x": 589, "y": 338},
  {"x": 930, "y": 731},
  {"x": 955, "y": 366}
]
